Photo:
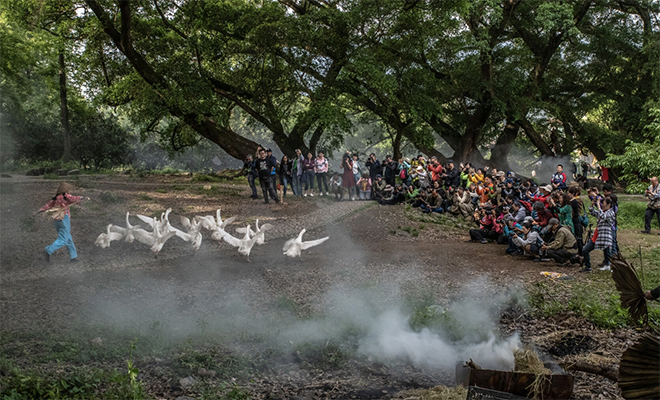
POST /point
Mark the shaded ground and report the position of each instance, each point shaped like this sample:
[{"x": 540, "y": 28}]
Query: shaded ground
[{"x": 216, "y": 292}]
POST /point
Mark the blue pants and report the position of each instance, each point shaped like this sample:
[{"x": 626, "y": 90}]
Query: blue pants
[
  {"x": 428, "y": 209},
  {"x": 588, "y": 248},
  {"x": 296, "y": 184},
  {"x": 285, "y": 181},
  {"x": 63, "y": 238}
]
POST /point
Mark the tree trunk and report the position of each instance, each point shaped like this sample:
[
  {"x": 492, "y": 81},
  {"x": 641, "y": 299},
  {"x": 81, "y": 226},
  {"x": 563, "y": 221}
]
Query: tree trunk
[
  {"x": 500, "y": 152},
  {"x": 64, "y": 110},
  {"x": 396, "y": 145}
]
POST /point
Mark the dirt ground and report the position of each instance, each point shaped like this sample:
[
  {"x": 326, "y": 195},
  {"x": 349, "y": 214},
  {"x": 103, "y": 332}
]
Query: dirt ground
[{"x": 369, "y": 246}]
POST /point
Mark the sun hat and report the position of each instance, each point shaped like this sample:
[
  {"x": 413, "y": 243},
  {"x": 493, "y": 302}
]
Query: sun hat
[
  {"x": 547, "y": 188},
  {"x": 500, "y": 173},
  {"x": 420, "y": 168},
  {"x": 64, "y": 188},
  {"x": 388, "y": 188}
]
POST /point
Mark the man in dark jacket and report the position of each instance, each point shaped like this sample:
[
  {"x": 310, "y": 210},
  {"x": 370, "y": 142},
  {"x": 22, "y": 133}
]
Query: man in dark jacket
[
  {"x": 562, "y": 246},
  {"x": 265, "y": 167},
  {"x": 452, "y": 176},
  {"x": 652, "y": 294},
  {"x": 248, "y": 167},
  {"x": 391, "y": 168},
  {"x": 374, "y": 166}
]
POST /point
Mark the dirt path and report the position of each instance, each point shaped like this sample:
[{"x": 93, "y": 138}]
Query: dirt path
[{"x": 124, "y": 286}]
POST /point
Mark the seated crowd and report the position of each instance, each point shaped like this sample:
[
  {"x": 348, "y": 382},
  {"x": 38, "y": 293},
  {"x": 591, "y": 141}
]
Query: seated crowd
[{"x": 546, "y": 222}]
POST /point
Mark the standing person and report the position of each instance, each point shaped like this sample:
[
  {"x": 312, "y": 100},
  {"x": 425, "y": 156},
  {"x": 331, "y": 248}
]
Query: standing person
[
  {"x": 273, "y": 174},
  {"x": 602, "y": 239},
  {"x": 435, "y": 168},
  {"x": 653, "y": 207},
  {"x": 285, "y": 174},
  {"x": 248, "y": 168},
  {"x": 265, "y": 167},
  {"x": 452, "y": 176},
  {"x": 60, "y": 207},
  {"x": 297, "y": 173},
  {"x": 391, "y": 167},
  {"x": 577, "y": 207},
  {"x": 374, "y": 166},
  {"x": 404, "y": 172},
  {"x": 308, "y": 177},
  {"x": 356, "y": 171},
  {"x": 563, "y": 210},
  {"x": 348, "y": 179},
  {"x": 321, "y": 170}
]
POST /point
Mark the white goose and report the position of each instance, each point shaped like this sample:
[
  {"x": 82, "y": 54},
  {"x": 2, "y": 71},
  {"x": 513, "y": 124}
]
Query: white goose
[
  {"x": 261, "y": 240},
  {"x": 294, "y": 247},
  {"x": 110, "y": 235},
  {"x": 193, "y": 232},
  {"x": 217, "y": 225},
  {"x": 130, "y": 229},
  {"x": 245, "y": 245},
  {"x": 155, "y": 239}
]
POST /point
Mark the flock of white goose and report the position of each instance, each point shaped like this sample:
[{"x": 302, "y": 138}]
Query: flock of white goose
[{"x": 161, "y": 231}]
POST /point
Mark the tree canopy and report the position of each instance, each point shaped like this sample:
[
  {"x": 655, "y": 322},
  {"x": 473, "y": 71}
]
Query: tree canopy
[{"x": 460, "y": 79}]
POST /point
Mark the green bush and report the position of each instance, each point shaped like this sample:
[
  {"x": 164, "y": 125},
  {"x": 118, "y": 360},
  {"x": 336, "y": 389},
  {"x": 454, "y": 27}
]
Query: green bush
[
  {"x": 205, "y": 178},
  {"x": 51, "y": 176}
]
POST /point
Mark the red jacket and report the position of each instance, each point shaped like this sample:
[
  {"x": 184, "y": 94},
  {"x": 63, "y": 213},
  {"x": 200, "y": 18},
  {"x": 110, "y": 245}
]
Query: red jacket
[{"x": 435, "y": 171}]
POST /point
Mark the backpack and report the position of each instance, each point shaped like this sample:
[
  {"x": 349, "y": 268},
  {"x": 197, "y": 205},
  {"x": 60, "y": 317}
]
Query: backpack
[
  {"x": 584, "y": 218},
  {"x": 403, "y": 174}
]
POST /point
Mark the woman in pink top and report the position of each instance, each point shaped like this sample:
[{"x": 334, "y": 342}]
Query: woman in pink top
[
  {"x": 59, "y": 206},
  {"x": 321, "y": 170}
]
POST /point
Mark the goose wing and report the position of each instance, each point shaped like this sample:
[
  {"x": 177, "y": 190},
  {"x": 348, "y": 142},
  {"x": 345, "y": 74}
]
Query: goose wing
[
  {"x": 312, "y": 243},
  {"x": 144, "y": 237},
  {"x": 288, "y": 244},
  {"x": 149, "y": 221},
  {"x": 185, "y": 221},
  {"x": 232, "y": 240},
  {"x": 117, "y": 229},
  {"x": 227, "y": 222}
]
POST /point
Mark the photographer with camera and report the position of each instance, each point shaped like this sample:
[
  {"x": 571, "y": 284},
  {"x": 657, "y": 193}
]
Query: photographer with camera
[
  {"x": 653, "y": 207},
  {"x": 489, "y": 227},
  {"x": 528, "y": 240},
  {"x": 374, "y": 166},
  {"x": 249, "y": 171},
  {"x": 297, "y": 173}
]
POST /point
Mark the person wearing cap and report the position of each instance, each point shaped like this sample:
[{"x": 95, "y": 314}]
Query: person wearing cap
[
  {"x": 60, "y": 206},
  {"x": 404, "y": 171},
  {"x": 509, "y": 190},
  {"x": 543, "y": 196},
  {"x": 559, "y": 178},
  {"x": 387, "y": 195},
  {"x": 336, "y": 186},
  {"x": 420, "y": 178},
  {"x": 510, "y": 229},
  {"x": 562, "y": 246},
  {"x": 378, "y": 187},
  {"x": 652, "y": 193}
]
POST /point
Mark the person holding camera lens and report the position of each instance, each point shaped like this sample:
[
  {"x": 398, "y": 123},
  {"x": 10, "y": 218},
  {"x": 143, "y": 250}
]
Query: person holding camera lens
[
  {"x": 374, "y": 166},
  {"x": 489, "y": 227},
  {"x": 603, "y": 238},
  {"x": 652, "y": 193},
  {"x": 249, "y": 171},
  {"x": 297, "y": 171}
]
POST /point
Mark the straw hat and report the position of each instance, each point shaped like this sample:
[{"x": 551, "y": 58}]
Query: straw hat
[{"x": 64, "y": 188}]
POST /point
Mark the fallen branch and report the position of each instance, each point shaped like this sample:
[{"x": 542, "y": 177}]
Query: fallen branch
[{"x": 608, "y": 373}]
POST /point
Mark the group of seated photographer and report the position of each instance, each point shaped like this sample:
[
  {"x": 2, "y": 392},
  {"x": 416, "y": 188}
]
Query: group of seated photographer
[{"x": 546, "y": 222}]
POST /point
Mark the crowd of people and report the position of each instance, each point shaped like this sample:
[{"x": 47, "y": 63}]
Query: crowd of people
[{"x": 544, "y": 221}]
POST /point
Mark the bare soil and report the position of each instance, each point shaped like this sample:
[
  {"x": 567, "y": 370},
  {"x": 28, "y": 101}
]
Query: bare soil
[{"x": 368, "y": 246}]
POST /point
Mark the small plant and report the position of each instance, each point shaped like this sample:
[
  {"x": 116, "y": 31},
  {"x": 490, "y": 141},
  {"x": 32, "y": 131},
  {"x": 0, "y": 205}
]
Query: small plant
[
  {"x": 161, "y": 190},
  {"x": 51, "y": 176},
  {"x": 145, "y": 197},
  {"x": 205, "y": 178}
]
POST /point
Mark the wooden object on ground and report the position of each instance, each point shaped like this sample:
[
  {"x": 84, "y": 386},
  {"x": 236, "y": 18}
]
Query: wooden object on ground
[
  {"x": 608, "y": 373},
  {"x": 639, "y": 370},
  {"x": 557, "y": 387}
]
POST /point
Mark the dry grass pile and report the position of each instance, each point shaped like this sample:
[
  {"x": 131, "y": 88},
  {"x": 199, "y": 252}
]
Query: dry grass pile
[
  {"x": 527, "y": 361},
  {"x": 437, "y": 393}
]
